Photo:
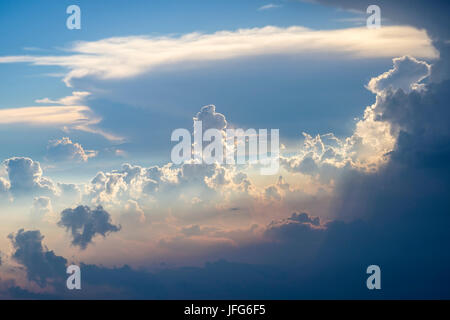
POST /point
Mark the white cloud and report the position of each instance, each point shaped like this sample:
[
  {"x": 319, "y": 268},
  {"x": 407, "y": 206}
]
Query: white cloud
[
  {"x": 75, "y": 99},
  {"x": 68, "y": 115},
  {"x": 406, "y": 74},
  {"x": 269, "y": 6},
  {"x": 48, "y": 115},
  {"x": 124, "y": 57},
  {"x": 374, "y": 136},
  {"x": 65, "y": 150}
]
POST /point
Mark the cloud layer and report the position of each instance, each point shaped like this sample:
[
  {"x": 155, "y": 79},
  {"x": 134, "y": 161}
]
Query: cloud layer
[{"x": 117, "y": 58}]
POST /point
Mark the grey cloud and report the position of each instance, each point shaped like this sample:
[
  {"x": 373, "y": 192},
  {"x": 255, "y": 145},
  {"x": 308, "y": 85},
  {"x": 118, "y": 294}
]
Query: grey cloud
[
  {"x": 431, "y": 15},
  {"x": 41, "y": 264},
  {"x": 210, "y": 118},
  {"x": 84, "y": 224},
  {"x": 305, "y": 218}
]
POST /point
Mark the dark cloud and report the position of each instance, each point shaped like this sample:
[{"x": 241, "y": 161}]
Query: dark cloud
[
  {"x": 40, "y": 263},
  {"x": 429, "y": 15},
  {"x": 305, "y": 218},
  {"x": 210, "y": 118},
  {"x": 84, "y": 224},
  {"x": 423, "y": 14}
]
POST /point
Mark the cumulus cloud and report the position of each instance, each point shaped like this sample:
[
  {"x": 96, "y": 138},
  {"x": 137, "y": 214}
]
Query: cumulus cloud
[
  {"x": 25, "y": 175},
  {"x": 406, "y": 74},
  {"x": 374, "y": 136},
  {"x": 210, "y": 118},
  {"x": 124, "y": 57},
  {"x": 167, "y": 184},
  {"x": 66, "y": 150},
  {"x": 40, "y": 263},
  {"x": 84, "y": 224}
]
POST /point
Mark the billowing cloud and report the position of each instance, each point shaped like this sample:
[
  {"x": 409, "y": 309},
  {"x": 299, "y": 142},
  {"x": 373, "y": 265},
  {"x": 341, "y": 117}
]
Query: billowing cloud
[
  {"x": 40, "y": 263},
  {"x": 374, "y": 136},
  {"x": 406, "y": 74},
  {"x": 124, "y": 57},
  {"x": 210, "y": 118},
  {"x": 66, "y": 150},
  {"x": 25, "y": 175},
  {"x": 84, "y": 224}
]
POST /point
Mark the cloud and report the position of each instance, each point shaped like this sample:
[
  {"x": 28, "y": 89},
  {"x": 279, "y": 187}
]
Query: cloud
[
  {"x": 305, "y": 218},
  {"x": 374, "y": 136},
  {"x": 4, "y": 187},
  {"x": 406, "y": 74},
  {"x": 65, "y": 150},
  {"x": 133, "y": 213},
  {"x": 70, "y": 114},
  {"x": 76, "y": 116},
  {"x": 25, "y": 175},
  {"x": 84, "y": 224},
  {"x": 269, "y": 6},
  {"x": 76, "y": 98},
  {"x": 420, "y": 13},
  {"x": 210, "y": 118},
  {"x": 125, "y": 57},
  {"x": 41, "y": 264},
  {"x": 42, "y": 209}
]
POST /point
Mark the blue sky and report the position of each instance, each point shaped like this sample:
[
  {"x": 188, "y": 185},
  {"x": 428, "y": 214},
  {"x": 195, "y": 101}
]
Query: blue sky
[{"x": 86, "y": 175}]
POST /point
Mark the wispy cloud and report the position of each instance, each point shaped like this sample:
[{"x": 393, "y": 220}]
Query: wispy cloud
[
  {"x": 47, "y": 115},
  {"x": 68, "y": 114},
  {"x": 74, "y": 99},
  {"x": 124, "y": 57},
  {"x": 269, "y": 6}
]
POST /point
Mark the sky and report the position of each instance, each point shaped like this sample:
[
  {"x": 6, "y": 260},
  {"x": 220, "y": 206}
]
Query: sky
[{"x": 87, "y": 177}]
